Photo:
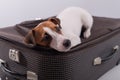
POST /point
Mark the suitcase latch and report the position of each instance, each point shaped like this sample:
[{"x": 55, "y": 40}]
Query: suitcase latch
[
  {"x": 97, "y": 61},
  {"x": 31, "y": 75},
  {"x": 14, "y": 55}
]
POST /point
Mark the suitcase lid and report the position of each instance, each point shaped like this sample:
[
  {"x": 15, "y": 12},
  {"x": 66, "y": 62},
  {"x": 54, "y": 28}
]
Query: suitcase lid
[{"x": 16, "y": 33}]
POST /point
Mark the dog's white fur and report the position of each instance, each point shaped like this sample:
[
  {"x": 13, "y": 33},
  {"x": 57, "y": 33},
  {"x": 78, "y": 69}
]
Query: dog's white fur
[
  {"x": 57, "y": 40},
  {"x": 72, "y": 19}
]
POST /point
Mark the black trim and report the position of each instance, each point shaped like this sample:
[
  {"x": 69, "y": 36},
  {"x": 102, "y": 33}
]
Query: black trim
[{"x": 10, "y": 73}]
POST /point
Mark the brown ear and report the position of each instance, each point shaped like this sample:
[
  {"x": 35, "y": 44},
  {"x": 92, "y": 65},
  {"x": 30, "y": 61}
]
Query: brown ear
[
  {"x": 30, "y": 38},
  {"x": 54, "y": 20}
]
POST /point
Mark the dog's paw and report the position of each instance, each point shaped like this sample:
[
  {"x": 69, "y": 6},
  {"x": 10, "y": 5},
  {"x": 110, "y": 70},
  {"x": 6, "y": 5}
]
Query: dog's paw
[{"x": 87, "y": 34}]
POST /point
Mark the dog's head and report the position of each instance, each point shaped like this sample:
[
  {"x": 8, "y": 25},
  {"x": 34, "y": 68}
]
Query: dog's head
[{"x": 49, "y": 34}]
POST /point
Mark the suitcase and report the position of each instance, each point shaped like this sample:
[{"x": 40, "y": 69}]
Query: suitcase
[{"x": 87, "y": 61}]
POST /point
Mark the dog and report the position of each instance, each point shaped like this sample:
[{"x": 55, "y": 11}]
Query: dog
[{"x": 62, "y": 32}]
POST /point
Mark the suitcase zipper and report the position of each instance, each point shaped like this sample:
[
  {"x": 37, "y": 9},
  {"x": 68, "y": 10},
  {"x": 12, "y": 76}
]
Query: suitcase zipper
[
  {"x": 96, "y": 41},
  {"x": 79, "y": 46}
]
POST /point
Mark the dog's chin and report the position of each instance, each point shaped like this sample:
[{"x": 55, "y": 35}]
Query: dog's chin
[
  {"x": 59, "y": 47},
  {"x": 62, "y": 49}
]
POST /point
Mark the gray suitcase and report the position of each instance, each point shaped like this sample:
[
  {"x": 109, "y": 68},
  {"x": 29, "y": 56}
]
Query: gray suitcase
[{"x": 87, "y": 61}]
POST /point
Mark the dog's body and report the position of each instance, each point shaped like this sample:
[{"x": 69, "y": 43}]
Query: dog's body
[
  {"x": 72, "y": 20},
  {"x": 49, "y": 33}
]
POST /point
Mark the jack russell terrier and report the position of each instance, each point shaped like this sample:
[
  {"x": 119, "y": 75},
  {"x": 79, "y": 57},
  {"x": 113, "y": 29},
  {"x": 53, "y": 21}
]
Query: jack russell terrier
[{"x": 62, "y": 32}]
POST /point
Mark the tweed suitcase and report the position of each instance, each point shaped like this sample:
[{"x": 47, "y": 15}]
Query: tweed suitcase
[{"x": 87, "y": 61}]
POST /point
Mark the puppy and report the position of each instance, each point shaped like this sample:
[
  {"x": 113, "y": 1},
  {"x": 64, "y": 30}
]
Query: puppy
[
  {"x": 48, "y": 34},
  {"x": 61, "y": 33}
]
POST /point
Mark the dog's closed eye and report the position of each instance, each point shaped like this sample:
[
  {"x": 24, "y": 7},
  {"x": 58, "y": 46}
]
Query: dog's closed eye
[{"x": 46, "y": 37}]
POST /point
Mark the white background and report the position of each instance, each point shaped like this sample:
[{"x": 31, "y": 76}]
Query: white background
[{"x": 15, "y": 11}]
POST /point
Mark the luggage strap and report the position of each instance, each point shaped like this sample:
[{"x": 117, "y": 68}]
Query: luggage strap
[{"x": 28, "y": 76}]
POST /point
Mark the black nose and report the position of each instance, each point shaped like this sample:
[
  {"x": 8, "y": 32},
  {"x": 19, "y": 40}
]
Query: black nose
[{"x": 67, "y": 43}]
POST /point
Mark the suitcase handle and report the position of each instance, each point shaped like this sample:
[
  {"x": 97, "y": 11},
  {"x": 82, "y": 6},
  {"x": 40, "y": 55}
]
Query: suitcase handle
[
  {"x": 100, "y": 60},
  {"x": 28, "y": 76},
  {"x": 3, "y": 66}
]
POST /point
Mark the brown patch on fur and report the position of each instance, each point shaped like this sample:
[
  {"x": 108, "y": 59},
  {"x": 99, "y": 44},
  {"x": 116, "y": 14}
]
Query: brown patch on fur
[{"x": 38, "y": 33}]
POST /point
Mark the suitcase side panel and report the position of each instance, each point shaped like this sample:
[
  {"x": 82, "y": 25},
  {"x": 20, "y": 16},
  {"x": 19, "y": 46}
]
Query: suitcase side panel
[{"x": 77, "y": 65}]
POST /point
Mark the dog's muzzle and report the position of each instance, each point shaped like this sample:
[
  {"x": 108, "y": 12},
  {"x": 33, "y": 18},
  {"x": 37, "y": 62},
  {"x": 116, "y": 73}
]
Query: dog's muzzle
[{"x": 67, "y": 43}]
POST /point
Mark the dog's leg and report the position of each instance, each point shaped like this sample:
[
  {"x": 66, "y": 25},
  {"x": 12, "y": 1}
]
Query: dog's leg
[
  {"x": 87, "y": 22},
  {"x": 87, "y": 33}
]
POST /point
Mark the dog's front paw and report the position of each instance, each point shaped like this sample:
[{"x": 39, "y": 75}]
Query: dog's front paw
[{"x": 87, "y": 34}]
